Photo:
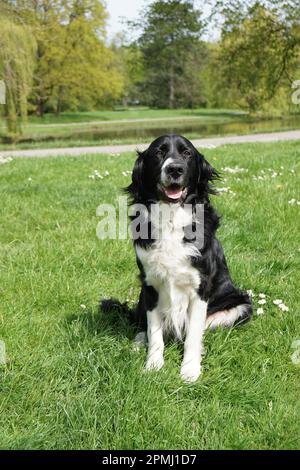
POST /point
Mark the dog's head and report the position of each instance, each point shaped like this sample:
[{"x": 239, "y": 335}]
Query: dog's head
[{"x": 171, "y": 170}]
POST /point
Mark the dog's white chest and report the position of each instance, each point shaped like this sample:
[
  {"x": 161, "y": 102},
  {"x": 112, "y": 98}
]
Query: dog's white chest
[{"x": 167, "y": 266}]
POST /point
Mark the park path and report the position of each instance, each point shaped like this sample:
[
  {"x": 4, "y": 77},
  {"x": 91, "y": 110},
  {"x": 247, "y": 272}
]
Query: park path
[{"x": 115, "y": 149}]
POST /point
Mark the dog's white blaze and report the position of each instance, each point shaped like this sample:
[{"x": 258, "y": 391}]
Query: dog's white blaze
[
  {"x": 167, "y": 162},
  {"x": 164, "y": 177}
]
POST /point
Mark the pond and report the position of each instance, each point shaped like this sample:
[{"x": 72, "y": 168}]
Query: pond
[{"x": 193, "y": 129}]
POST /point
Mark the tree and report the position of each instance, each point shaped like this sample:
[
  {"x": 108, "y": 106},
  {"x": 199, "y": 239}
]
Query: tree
[
  {"x": 258, "y": 52},
  {"x": 17, "y": 54},
  {"x": 171, "y": 32},
  {"x": 131, "y": 66},
  {"x": 74, "y": 67},
  {"x": 255, "y": 56}
]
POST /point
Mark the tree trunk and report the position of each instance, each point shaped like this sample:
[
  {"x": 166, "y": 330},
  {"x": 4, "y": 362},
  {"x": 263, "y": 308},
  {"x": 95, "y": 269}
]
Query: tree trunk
[
  {"x": 59, "y": 101},
  {"x": 11, "y": 113},
  {"x": 40, "y": 108},
  {"x": 171, "y": 89}
]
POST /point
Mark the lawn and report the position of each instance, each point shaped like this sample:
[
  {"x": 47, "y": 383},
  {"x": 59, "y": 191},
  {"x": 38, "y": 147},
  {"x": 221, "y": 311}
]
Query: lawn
[{"x": 72, "y": 380}]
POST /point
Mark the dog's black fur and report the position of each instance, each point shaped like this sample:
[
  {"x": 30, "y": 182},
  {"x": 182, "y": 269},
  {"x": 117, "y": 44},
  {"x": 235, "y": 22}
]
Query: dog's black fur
[{"x": 216, "y": 286}]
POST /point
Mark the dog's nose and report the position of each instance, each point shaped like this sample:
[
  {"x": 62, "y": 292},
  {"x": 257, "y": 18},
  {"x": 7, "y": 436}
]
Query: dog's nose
[{"x": 175, "y": 170}]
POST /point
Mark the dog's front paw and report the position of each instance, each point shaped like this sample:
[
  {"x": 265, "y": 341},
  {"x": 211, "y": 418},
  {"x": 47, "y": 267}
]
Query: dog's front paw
[
  {"x": 190, "y": 371},
  {"x": 154, "y": 362}
]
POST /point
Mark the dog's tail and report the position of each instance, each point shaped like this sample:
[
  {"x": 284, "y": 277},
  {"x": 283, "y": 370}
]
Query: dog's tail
[
  {"x": 230, "y": 309},
  {"x": 114, "y": 305}
]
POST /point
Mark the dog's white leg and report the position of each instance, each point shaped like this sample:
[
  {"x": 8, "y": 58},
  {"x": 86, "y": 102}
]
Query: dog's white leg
[
  {"x": 155, "y": 357},
  {"x": 191, "y": 364}
]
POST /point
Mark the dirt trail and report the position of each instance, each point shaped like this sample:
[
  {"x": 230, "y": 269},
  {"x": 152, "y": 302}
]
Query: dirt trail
[{"x": 116, "y": 149}]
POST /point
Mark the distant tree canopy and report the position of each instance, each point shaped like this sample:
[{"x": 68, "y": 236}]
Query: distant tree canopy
[
  {"x": 254, "y": 58},
  {"x": 172, "y": 52},
  {"x": 258, "y": 54},
  {"x": 252, "y": 63},
  {"x": 55, "y": 56},
  {"x": 74, "y": 67}
]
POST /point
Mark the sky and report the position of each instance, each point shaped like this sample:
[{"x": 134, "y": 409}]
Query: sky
[
  {"x": 129, "y": 9},
  {"x": 122, "y": 8}
]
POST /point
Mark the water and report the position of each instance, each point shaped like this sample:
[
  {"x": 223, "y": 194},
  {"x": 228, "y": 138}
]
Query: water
[
  {"x": 145, "y": 131},
  {"x": 192, "y": 128}
]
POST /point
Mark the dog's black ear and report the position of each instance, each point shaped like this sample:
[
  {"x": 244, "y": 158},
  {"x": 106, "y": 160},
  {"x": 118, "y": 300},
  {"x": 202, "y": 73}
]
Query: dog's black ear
[
  {"x": 206, "y": 176},
  {"x": 135, "y": 188}
]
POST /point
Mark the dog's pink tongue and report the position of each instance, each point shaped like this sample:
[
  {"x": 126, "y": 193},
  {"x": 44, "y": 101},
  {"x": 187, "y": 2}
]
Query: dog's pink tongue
[{"x": 173, "y": 193}]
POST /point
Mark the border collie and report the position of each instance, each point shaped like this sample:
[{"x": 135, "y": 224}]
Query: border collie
[{"x": 186, "y": 285}]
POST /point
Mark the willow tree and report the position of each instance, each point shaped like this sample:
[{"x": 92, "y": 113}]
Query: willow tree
[
  {"x": 75, "y": 68},
  {"x": 17, "y": 61}
]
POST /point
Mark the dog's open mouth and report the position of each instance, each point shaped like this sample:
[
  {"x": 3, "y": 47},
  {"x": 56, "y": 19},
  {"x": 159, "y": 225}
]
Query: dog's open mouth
[{"x": 175, "y": 192}]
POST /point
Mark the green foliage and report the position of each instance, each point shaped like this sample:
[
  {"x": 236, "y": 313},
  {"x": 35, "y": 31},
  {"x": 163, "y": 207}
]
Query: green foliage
[
  {"x": 130, "y": 61},
  {"x": 257, "y": 55},
  {"x": 17, "y": 52},
  {"x": 172, "y": 52},
  {"x": 74, "y": 67}
]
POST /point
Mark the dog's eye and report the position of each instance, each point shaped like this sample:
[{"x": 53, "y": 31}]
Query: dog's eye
[
  {"x": 186, "y": 153},
  {"x": 159, "y": 153}
]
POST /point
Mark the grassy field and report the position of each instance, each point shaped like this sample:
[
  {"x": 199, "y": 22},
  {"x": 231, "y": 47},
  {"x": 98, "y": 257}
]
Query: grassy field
[
  {"x": 135, "y": 125},
  {"x": 71, "y": 378}
]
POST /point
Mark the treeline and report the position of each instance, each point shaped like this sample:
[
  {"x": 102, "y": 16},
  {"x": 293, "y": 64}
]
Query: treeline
[
  {"x": 251, "y": 66},
  {"x": 54, "y": 56}
]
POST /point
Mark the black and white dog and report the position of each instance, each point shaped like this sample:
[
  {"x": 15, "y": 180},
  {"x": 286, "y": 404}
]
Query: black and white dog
[{"x": 186, "y": 285}]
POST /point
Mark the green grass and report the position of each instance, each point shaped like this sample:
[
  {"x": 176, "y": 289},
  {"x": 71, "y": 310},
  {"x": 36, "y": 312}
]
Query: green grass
[{"x": 72, "y": 379}]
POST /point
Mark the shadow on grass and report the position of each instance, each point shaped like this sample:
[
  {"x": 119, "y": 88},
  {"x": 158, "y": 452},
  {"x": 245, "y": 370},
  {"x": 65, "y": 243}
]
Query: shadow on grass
[{"x": 111, "y": 319}]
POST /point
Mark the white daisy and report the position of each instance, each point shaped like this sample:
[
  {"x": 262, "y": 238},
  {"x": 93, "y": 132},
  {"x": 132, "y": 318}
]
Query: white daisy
[
  {"x": 283, "y": 307},
  {"x": 5, "y": 159},
  {"x": 233, "y": 170}
]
